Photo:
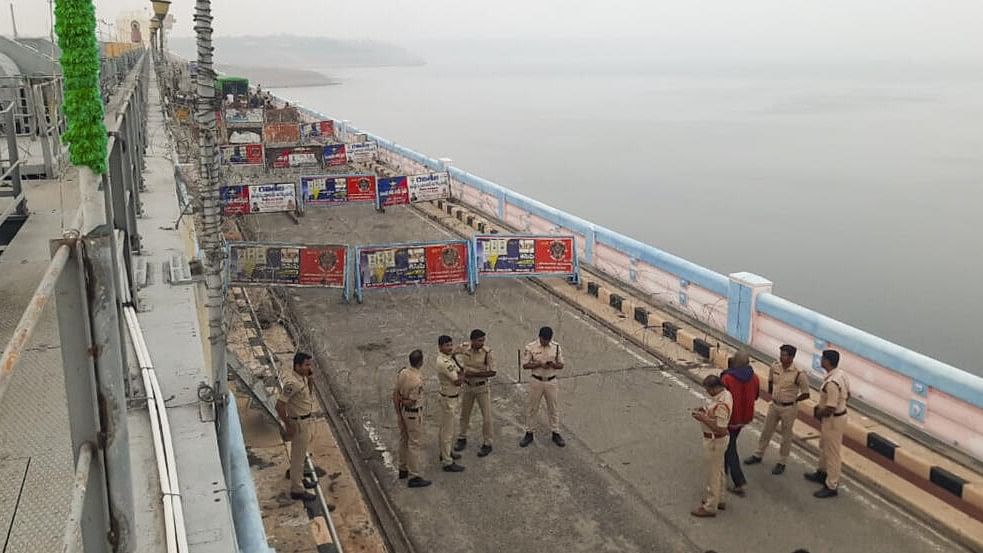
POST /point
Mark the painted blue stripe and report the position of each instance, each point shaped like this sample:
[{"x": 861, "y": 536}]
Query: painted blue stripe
[{"x": 938, "y": 375}]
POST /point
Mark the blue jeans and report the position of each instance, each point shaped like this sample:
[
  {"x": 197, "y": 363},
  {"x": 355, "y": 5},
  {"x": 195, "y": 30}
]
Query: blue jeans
[{"x": 732, "y": 461}]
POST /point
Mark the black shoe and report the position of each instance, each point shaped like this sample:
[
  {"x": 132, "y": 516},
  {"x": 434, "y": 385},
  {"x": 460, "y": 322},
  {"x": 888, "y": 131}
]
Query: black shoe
[
  {"x": 455, "y": 456},
  {"x": 779, "y": 469},
  {"x": 485, "y": 450},
  {"x": 304, "y": 496},
  {"x": 818, "y": 477},
  {"x": 417, "y": 482},
  {"x": 526, "y": 440},
  {"x": 453, "y": 467},
  {"x": 403, "y": 474},
  {"x": 310, "y": 484},
  {"x": 558, "y": 440},
  {"x": 317, "y": 470},
  {"x": 752, "y": 460},
  {"x": 825, "y": 492},
  {"x": 461, "y": 444}
]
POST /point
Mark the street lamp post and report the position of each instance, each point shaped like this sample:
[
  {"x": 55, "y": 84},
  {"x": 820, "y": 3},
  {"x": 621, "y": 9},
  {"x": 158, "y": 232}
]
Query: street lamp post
[{"x": 160, "y": 12}]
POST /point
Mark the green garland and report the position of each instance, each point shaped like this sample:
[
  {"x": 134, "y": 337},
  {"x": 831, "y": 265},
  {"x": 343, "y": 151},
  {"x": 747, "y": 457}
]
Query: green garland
[{"x": 75, "y": 23}]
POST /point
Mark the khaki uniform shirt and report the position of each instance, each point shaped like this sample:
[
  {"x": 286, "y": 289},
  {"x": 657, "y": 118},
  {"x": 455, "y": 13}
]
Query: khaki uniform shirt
[
  {"x": 475, "y": 362},
  {"x": 536, "y": 352},
  {"x": 718, "y": 407},
  {"x": 409, "y": 386},
  {"x": 447, "y": 371},
  {"x": 787, "y": 384},
  {"x": 835, "y": 390},
  {"x": 296, "y": 394}
]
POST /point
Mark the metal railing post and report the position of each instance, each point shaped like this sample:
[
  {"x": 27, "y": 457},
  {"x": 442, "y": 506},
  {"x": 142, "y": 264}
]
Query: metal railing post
[
  {"x": 83, "y": 472},
  {"x": 11, "y": 132},
  {"x": 83, "y": 400}
]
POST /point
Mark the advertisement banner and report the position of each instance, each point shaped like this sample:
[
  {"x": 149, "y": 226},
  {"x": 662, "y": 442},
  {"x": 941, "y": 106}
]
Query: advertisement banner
[
  {"x": 410, "y": 189},
  {"x": 319, "y": 132},
  {"x": 242, "y": 154},
  {"x": 413, "y": 264},
  {"x": 258, "y": 198},
  {"x": 392, "y": 191},
  {"x": 335, "y": 155},
  {"x": 281, "y": 133},
  {"x": 244, "y": 117},
  {"x": 259, "y": 263},
  {"x": 362, "y": 152},
  {"x": 298, "y": 156},
  {"x": 328, "y": 190},
  {"x": 525, "y": 255}
]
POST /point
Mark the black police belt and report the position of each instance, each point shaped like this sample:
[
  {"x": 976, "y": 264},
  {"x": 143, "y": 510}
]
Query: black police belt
[
  {"x": 302, "y": 417},
  {"x": 476, "y": 382},
  {"x": 784, "y": 404},
  {"x": 544, "y": 378},
  {"x": 411, "y": 409},
  {"x": 448, "y": 395},
  {"x": 840, "y": 414}
]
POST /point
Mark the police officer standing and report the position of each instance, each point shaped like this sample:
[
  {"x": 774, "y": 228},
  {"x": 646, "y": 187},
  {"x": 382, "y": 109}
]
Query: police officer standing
[
  {"x": 787, "y": 386},
  {"x": 295, "y": 407},
  {"x": 450, "y": 378},
  {"x": 713, "y": 419},
  {"x": 831, "y": 412},
  {"x": 544, "y": 358},
  {"x": 408, "y": 402},
  {"x": 479, "y": 367}
]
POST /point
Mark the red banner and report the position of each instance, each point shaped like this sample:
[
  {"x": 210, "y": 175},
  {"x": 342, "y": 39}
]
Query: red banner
[
  {"x": 524, "y": 255},
  {"x": 447, "y": 263},
  {"x": 323, "y": 266},
  {"x": 235, "y": 200},
  {"x": 281, "y": 133},
  {"x": 242, "y": 154},
  {"x": 361, "y": 188},
  {"x": 554, "y": 255}
]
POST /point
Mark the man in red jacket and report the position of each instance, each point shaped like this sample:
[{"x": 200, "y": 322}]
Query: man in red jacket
[{"x": 743, "y": 385}]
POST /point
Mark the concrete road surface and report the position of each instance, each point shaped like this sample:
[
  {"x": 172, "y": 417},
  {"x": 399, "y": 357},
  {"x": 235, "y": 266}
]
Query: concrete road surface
[{"x": 632, "y": 469}]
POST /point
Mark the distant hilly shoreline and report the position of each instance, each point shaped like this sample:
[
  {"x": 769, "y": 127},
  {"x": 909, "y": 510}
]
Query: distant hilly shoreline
[{"x": 300, "y": 52}]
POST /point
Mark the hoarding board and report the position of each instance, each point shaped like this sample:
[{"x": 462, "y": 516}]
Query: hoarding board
[
  {"x": 244, "y": 117},
  {"x": 410, "y": 189},
  {"x": 301, "y": 265},
  {"x": 416, "y": 264},
  {"x": 362, "y": 152},
  {"x": 281, "y": 133},
  {"x": 318, "y": 132},
  {"x": 335, "y": 155},
  {"x": 244, "y": 199},
  {"x": 328, "y": 190},
  {"x": 242, "y": 154},
  {"x": 297, "y": 156},
  {"x": 525, "y": 255}
]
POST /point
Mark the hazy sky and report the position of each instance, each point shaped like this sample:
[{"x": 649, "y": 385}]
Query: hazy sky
[{"x": 874, "y": 28}]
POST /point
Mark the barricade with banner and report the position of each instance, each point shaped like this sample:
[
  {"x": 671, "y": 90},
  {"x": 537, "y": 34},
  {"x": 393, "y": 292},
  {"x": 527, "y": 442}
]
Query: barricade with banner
[
  {"x": 318, "y": 132},
  {"x": 281, "y": 133},
  {"x": 526, "y": 255},
  {"x": 405, "y": 190},
  {"x": 416, "y": 264},
  {"x": 335, "y": 155},
  {"x": 244, "y": 199},
  {"x": 244, "y": 117},
  {"x": 278, "y": 264},
  {"x": 328, "y": 190},
  {"x": 297, "y": 156},
  {"x": 242, "y": 154},
  {"x": 362, "y": 152}
]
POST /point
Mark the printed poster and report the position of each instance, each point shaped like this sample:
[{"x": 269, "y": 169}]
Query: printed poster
[
  {"x": 242, "y": 154},
  {"x": 393, "y": 191},
  {"x": 428, "y": 186},
  {"x": 300, "y": 156},
  {"x": 362, "y": 152},
  {"x": 319, "y": 132},
  {"x": 335, "y": 155},
  {"x": 328, "y": 190},
  {"x": 281, "y": 133},
  {"x": 524, "y": 255},
  {"x": 252, "y": 263},
  {"x": 408, "y": 265},
  {"x": 244, "y": 117},
  {"x": 258, "y": 198}
]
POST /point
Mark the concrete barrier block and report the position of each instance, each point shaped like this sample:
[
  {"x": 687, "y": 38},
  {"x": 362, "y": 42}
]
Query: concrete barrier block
[
  {"x": 656, "y": 320},
  {"x": 973, "y": 494},
  {"x": 719, "y": 356},
  {"x": 856, "y": 432},
  {"x": 604, "y": 295},
  {"x": 616, "y": 301},
  {"x": 685, "y": 337},
  {"x": 920, "y": 466}
]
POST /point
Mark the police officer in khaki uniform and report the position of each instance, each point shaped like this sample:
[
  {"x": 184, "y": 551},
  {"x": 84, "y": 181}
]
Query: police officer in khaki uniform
[
  {"x": 713, "y": 418},
  {"x": 479, "y": 367},
  {"x": 544, "y": 358},
  {"x": 408, "y": 402},
  {"x": 450, "y": 379},
  {"x": 787, "y": 386},
  {"x": 295, "y": 407},
  {"x": 831, "y": 413}
]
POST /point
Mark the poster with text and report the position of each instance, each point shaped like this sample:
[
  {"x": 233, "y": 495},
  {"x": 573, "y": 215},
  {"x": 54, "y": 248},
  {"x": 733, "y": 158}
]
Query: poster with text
[
  {"x": 335, "y": 155},
  {"x": 362, "y": 152},
  {"x": 328, "y": 190},
  {"x": 392, "y": 191},
  {"x": 281, "y": 133},
  {"x": 413, "y": 264},
  {"x": 522, "y": 255},
  {"x": 257, "y": 263},
  {"x": 299, "y": 156},
  {"x": 403, "y": 190},
  {"x": 242, "y": 154},
  {"x": 244, "y": 117},
  {"x": 318, "y": 132},
  {"x": 258, "y": 198}
]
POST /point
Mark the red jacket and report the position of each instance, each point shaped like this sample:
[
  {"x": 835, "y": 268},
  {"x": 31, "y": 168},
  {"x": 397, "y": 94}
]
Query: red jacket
[{"x": 744, "y": 386}]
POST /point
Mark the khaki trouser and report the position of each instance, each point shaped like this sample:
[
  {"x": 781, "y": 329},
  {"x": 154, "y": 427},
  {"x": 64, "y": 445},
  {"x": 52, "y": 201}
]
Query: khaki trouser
[
  {"x": 298, "y": 454},
  {"x": 448, "y": 417},
  {"x": 483, "y": 396},
  {"x": 538, "y": 389},
  {"x": 409, "y": 442},
  {"x": 713, "y": 457},
  {"x": 830, "y": 440},
  {"x": 785, "y": 415}
]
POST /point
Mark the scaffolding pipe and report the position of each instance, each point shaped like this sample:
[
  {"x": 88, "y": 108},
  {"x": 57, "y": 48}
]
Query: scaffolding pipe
[{"x": 73, "y": 531}]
